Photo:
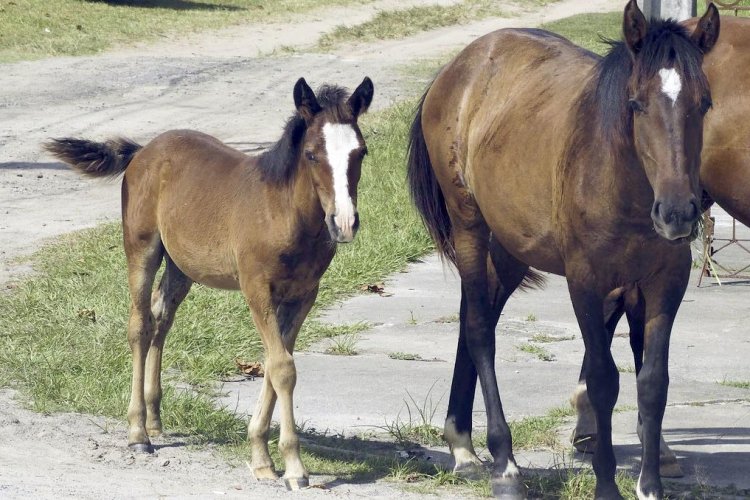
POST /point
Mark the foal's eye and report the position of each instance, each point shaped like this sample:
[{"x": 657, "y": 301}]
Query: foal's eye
[
  {"x": 311, "y": 156},
  {"x": 636, "y": 106}
]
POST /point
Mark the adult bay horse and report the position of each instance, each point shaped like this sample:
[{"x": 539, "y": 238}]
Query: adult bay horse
[
  {"x": 266, "y": 225},
  {"x": 725, "y": 177},
  {"x": 528, "y": 151}
]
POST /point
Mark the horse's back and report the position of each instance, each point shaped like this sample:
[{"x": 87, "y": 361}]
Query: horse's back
[{"x": 496, "y": 118}]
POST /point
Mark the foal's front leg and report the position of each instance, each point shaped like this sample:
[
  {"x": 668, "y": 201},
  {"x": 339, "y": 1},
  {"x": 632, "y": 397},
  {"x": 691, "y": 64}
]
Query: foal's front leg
[{"x": 278, "y": 321}]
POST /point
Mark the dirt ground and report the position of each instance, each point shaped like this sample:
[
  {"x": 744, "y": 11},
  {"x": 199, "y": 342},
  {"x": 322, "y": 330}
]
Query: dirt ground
[{"x": 235, "y": 84}]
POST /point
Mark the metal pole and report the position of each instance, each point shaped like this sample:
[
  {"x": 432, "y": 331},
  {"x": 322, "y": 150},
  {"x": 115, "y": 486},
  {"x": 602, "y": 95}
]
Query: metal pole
[{"x": 664, "y": 9}]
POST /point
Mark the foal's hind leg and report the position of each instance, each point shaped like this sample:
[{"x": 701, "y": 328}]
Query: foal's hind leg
[
  {"x": 472, "y": 250},
  {"x": 173, "y": 288},
  {"x": 504, "y": 274},
  {"x": 144, "y": 252},
  {"x": 278, "y": 321}
]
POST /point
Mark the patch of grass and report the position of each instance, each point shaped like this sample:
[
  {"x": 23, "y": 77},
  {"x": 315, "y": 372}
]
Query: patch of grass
[
  {"x": 453, "y": 318},
  {"x": 740, "y": 384},
  {"x": 537, "y": 351},
  {"x": 535, "y": 432},
  {"x": 417, "y": 427},
  {"x": 543, "y": 338},
  {"x": 390, "y": 24},
  {"x": 404, "y": 356},
  {"x": 531, "y": 317},
  {"x": 587, "y": 30},
  {"x": 32, "y": 29},
  {"x": 626, "y": 368},
  {"x": 344, "y": 345}
]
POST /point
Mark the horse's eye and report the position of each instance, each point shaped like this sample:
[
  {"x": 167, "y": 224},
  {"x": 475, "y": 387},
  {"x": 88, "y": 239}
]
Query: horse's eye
[
  {"x": 636, "y": 106},
  {"x": 311, "y": 156},
  {"x": 706, "y": 104}
]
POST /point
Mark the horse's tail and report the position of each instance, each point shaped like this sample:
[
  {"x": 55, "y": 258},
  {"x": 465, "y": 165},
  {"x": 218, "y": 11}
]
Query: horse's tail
[
  {"x": 95, "y": 159},
  {"x": 425, "y": 190}
]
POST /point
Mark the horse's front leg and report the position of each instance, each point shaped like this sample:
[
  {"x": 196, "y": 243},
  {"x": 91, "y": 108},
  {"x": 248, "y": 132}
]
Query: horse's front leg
[
  {"x": 278, "y": 321},
  {"x": 602, "y": 378},
  {"x": 479, "y": 330},
  {"x": 662, "y": 296}
]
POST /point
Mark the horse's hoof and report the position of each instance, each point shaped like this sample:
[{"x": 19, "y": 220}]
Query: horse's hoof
[
  {"x": 509, "y": 488},
  {"x": 669, "y": 467},
  {"x": 141, "y": 447},
  {"x": 296, "y": 483},
  {"x": 470, "y": 470},
  {"x": 266, "y": 472},
  {"x": 585, "y": 443}
]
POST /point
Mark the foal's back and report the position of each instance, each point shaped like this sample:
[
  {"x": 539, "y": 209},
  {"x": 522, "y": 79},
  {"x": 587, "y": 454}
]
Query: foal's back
[{"x": 199, "y": 196}]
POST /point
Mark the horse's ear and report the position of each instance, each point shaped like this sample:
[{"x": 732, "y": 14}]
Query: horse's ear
[
  {"x": 634, "y": 26},
  {"x": 707, "y": 32},
  {"x": 305, "y": 101},
  {"x": 362, "y": 97}
]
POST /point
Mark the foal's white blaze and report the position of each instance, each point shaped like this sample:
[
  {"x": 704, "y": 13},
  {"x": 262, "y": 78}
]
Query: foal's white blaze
[
  {"x": 671, "y": 84},
  {"x": 341, "y": 140}
]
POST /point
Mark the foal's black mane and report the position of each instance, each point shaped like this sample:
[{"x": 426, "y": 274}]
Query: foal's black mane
[
  {"x": 279, "y": 164},
  {"x": 667, "y": 44}
]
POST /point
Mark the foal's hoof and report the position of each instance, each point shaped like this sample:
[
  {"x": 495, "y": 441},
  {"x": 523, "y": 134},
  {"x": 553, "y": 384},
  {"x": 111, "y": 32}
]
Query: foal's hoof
[
  {"x": 141, "y": 447},
  {"x": 584, "y": 443},
  {"x": 263, "y": 473},
  {"x": 296, "y": 483},
  {"x": 669, "y": 467}
]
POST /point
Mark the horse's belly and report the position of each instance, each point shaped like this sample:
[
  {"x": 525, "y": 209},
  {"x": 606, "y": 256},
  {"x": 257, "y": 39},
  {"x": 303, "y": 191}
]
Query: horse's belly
[{"x": 539, "y": 251}]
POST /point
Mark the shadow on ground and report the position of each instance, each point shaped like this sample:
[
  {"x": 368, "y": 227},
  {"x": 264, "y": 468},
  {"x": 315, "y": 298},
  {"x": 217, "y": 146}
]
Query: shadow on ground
[{"x": 168, "y": 4}]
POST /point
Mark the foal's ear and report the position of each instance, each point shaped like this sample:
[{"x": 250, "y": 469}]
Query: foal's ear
[
  {"x": 362, "y": 97},
  {"x": 707, "y": 31},
  {"x": 634, "y": 26},
  {"x": 305, "y": 101}
]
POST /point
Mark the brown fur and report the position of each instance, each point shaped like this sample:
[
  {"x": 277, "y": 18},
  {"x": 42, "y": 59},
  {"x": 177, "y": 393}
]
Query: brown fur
[
  {"x": 262, "y": 225},
  {"x": 566, "y": 179}
]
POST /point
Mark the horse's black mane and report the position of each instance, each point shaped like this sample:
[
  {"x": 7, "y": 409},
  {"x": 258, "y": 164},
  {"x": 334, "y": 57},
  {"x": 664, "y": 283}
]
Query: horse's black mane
[
  {"x": 667, "y": 44},
  {"x": 278, "y": 164}
]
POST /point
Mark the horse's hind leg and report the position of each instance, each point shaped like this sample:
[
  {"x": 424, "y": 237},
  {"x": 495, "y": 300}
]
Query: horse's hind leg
[
  {"x": 143, "y": 250},
  {"x": 504, "y": 274},
  {"x": 173, "y": 288},
  {"x": 471, "y": 245},
  {"x": 278, "y": 322}
]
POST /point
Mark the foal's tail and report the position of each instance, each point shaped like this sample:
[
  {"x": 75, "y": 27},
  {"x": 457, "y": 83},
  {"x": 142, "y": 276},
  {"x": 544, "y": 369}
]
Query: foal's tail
[
  {"x": 95, "y": 159},
  {"x": 425, "y": 190}
]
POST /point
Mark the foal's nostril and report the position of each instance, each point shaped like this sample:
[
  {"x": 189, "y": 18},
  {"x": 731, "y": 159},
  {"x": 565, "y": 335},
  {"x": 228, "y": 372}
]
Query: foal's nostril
[
  {"x": 655, "y": 210},
  {"x": 694, "y": 211},
  {"x": 355, "y": 226}
]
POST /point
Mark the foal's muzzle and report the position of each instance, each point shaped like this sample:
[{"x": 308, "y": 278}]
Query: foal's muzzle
[
  {"x": 675, "y": 220},
  {"x": 342, "y": 229}
]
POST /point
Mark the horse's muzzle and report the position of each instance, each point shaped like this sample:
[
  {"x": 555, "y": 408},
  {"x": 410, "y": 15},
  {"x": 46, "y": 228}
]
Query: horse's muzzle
[
  {"x": 342, "y": 229},
  {"x": 673, "y": 221}
]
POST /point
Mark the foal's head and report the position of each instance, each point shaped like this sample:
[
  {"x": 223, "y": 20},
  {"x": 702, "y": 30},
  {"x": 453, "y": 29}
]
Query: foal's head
[
  {"x": 333, "y": 149},
  {"x": 669, "y": 96}
]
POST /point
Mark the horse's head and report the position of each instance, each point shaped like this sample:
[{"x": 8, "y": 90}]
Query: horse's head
[
  {"x": 669, "y": 96},
  {"x": 333, "y": 150}
]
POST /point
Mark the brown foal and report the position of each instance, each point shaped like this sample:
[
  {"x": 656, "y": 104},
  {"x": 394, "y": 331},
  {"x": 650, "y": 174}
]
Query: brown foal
[{"x": 266, "y": 225}]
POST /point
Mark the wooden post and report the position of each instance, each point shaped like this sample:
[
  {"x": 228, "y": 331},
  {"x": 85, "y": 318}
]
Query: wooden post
[{"x": 663, "y": 9}]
